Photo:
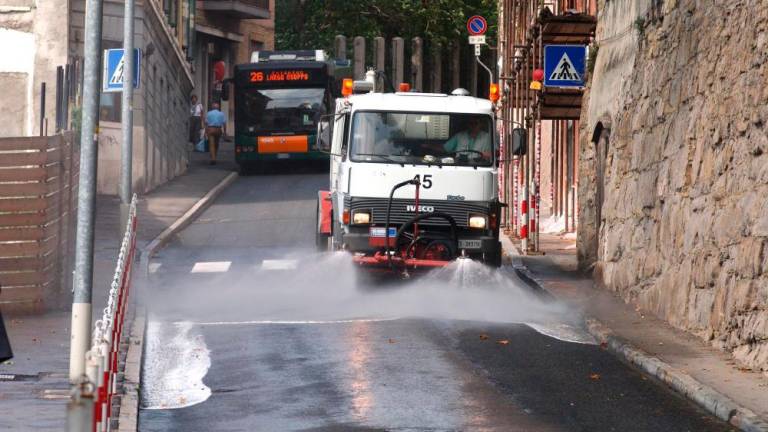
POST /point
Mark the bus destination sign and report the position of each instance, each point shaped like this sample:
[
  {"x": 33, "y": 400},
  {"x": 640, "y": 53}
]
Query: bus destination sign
[{"x": 279, "y": 76}]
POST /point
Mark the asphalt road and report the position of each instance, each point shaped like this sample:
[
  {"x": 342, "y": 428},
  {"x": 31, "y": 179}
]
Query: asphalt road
[{"x": 251, "y": 330}]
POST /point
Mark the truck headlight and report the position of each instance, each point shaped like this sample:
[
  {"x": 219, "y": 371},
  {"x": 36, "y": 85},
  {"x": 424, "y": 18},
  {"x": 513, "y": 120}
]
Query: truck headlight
[
  {"x": 477, "y": 221},
  {"x": 361, "y": 218}
]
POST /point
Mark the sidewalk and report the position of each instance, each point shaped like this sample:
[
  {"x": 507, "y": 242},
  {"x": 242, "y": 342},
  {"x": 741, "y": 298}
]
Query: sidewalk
[
  {"x": 34, "y": 386},
  {"x": 557, "y": 272}
]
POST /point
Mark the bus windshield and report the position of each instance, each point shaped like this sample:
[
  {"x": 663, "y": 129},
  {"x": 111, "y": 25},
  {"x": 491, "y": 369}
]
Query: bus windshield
[
  {"x": 422, "y": 138},
  {"x": 282, "y": 109}
]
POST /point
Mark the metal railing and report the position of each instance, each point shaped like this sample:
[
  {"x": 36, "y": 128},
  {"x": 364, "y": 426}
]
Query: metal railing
[{"x": 90, "y": 406}]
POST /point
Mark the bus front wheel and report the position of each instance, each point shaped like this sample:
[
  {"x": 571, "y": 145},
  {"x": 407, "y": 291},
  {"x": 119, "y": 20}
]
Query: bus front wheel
[{"x": 249, "y": 168}]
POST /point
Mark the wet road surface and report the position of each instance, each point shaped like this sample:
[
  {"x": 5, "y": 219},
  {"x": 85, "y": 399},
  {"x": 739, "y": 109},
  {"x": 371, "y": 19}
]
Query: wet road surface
[{"x": 251, "y": 330}]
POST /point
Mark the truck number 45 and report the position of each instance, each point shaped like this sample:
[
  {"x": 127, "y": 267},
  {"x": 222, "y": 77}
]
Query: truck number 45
[{"x": 425, "y": 180}]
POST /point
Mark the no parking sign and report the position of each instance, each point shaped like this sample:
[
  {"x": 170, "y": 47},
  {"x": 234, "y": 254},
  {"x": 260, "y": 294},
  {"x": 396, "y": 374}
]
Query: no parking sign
[{"x": 477, "y": 25}]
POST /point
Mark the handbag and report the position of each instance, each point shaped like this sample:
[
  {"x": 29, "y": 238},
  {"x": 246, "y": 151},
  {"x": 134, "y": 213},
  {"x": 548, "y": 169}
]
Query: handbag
[
  {"x": 202, "y": 146},
  {"x": 5, "y": 344}
]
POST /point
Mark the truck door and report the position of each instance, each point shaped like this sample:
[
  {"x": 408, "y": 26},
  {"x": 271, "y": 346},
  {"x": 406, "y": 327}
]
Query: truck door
[{"x": 337, "y": 150}]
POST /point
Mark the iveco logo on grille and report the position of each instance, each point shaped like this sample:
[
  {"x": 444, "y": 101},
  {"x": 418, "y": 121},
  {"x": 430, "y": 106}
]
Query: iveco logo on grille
[{"x": 422, "y": 209}]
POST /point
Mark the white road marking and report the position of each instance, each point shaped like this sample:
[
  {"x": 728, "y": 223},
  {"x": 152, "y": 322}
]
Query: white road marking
[
  {"x": 211, "y": 267},
  {"x": 154, "y": 267},
  {"x": 263, "y": 322},
  {"x": 284, "y": 264}
]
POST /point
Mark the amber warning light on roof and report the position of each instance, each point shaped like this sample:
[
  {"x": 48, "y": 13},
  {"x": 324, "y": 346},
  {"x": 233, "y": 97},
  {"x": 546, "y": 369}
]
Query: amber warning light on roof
[{"x": 279, "y": 76}]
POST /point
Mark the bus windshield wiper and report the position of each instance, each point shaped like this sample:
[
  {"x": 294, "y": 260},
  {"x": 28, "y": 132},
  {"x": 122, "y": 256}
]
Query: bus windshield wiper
[{"x": 381, "y": 156}]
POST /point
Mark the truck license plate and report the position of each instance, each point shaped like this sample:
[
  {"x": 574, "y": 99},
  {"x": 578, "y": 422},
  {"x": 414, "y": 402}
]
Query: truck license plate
[
  {"x": 379, "y": 232},
  {"x": 283, "y": 156},
  {"x": 470, "y": 244}
]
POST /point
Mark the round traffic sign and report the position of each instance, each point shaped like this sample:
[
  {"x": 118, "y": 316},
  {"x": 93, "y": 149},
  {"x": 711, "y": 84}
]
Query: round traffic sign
[{"x": 477, "y": 25}]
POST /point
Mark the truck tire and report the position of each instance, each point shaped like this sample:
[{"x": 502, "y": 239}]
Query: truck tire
[{"x": 494, "y": 259}]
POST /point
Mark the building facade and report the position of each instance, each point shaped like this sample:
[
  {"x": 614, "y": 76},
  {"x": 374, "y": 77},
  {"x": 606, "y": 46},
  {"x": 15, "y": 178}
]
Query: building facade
[
  {"x": 183, "y": 43},
  {"x": 227, "y": 32}
]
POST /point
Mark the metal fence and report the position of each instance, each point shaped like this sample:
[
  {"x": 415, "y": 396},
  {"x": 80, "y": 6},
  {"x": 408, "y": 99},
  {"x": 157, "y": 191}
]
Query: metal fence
[{"x": 90, "y": 407}]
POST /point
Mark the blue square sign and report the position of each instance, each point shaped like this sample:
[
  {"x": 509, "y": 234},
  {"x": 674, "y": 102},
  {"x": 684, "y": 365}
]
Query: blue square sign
[
  {"x": 114, "y": 63},
  {"x": 564, "y": 65}
]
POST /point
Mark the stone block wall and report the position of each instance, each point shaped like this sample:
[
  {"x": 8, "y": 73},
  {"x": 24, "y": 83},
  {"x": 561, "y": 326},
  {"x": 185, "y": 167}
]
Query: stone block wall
[{"x": 684, "y": 229}]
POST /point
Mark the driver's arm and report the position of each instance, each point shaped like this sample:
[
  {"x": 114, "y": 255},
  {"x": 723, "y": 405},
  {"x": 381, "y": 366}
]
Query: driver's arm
[
  {"x": 452, "y": 144},
  {"x": 484, "y": 146}
]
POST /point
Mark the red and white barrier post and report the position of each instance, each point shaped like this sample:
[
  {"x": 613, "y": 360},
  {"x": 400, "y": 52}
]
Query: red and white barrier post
[
  {"x": 91, "y": 406},
  {"x": 524, "y": 219}
]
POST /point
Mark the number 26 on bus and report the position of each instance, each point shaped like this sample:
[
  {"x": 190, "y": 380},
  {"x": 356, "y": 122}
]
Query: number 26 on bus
[{"x": 257, "y": 76}]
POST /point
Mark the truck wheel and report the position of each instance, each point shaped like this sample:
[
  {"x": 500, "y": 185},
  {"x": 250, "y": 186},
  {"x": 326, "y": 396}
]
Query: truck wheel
[{"x": 493, "y": 259}]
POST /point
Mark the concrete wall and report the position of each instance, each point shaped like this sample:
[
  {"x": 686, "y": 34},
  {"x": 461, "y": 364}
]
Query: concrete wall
[
  {"x": 27, "y": 59},
  {"x": 685, "y": 221}
]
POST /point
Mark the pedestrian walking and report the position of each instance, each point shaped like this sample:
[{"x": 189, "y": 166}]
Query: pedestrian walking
[
  {"x": 5, "y": 344},
  {"x": 215, "y": 128},
  {"x": 195, "y": 120}
]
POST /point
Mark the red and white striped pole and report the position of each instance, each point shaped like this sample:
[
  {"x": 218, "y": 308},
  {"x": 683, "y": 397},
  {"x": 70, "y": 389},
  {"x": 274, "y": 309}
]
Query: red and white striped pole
[
  {"x": 524, "y": 219},
  {"x": 534, "y": 217}
]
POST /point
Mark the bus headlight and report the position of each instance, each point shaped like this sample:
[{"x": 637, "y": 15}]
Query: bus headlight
[
  {"x": 477, "y": 221},
  {"x": 361, "y": 217}
]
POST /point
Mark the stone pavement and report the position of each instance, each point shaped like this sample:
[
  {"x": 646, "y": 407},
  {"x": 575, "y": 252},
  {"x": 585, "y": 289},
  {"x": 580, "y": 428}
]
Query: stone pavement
[
  {"x": 34, "y": 385},
  {"x": 557, "y": 272}
]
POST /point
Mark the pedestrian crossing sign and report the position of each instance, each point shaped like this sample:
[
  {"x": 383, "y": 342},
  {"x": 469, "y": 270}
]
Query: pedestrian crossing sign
[
  {"x": 114, "y": 68},
  {"x": 564, "y": 65}
]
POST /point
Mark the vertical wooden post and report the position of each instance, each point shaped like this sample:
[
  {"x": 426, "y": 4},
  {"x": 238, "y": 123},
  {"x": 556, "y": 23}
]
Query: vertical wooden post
[
  {"x": 359, "y": 56},
  {"x": 473, "y": 75},
  {"x": 437, "y": 69},
  {"x": 340, "y": 47},
  {"x": 379, "y": 60},
  {"x": 455, "y": 66},
  {"x": 417, "y": 64},
  {"x": 398, "y": 60}
]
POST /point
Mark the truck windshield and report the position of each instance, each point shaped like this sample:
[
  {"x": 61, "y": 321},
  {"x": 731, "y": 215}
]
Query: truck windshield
[
  {"x": 282, "y": 110},
  {"x": 422, "y": 138}
]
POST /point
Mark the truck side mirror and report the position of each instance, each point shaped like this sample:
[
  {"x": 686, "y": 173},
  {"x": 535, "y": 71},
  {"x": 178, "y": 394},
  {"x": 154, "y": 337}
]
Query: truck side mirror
[
  {"x": 324, "y": 135},
  {"x": 519, "y": 141}
]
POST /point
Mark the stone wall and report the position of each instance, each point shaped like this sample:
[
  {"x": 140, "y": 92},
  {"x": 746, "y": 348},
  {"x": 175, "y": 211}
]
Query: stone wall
[
  {"x": 617, "y": 44},
  {"x": 684, "y": 224}
]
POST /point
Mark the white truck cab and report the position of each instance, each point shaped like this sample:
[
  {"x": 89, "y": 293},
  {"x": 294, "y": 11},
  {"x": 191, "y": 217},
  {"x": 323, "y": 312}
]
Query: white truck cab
[{"x": 413, "y": 180}]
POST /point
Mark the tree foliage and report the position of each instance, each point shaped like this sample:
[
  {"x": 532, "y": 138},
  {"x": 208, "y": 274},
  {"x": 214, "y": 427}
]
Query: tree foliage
[{"x": 313, "y": 24}]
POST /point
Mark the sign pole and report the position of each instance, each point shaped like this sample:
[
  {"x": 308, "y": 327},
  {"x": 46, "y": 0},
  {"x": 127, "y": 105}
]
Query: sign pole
[
  {"x": 476, "y": 27},
  {"x": 86, "y": 199},
  {"x": 126, "y": 181}
]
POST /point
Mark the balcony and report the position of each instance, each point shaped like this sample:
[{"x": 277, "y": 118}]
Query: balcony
[{"x": 242, "y": 9}]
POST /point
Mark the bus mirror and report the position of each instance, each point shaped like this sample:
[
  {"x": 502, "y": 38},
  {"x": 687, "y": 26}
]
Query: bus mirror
[
  {"x": 519, "y": 141},
  {"x": 324, "y": 136}
]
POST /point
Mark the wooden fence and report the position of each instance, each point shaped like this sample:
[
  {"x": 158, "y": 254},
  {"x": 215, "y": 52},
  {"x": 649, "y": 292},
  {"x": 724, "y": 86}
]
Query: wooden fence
[{"x": 38, "y": 193}]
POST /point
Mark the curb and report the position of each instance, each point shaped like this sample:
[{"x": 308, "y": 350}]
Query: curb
[
  {"x": 148, "y": 251},
  {"x": 128, "y": 420},
  {"x": 706, "y": 397}
]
